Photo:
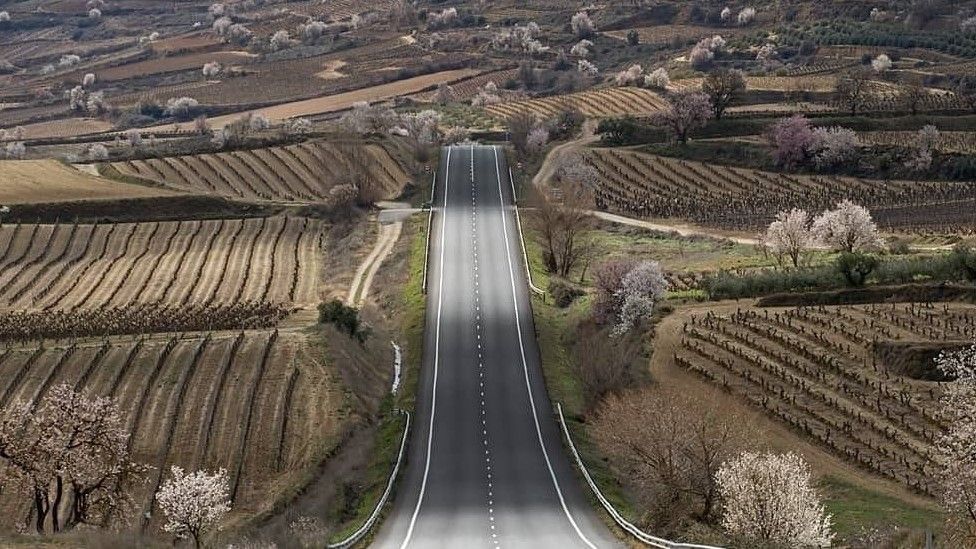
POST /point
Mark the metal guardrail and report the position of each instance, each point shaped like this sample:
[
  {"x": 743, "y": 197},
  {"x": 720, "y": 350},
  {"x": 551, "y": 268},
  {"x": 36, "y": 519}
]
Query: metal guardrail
[
  {"x": 626, "y": 525},
  {"x": 361, "y": 532},
  {"x": 518, "y": 221}
]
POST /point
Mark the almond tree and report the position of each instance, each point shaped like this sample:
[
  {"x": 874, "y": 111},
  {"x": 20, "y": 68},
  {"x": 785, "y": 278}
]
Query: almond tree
[
  {"x": 688, "y": 111},
  {"x": 847, "y": 228},
  {"x": 658, "y": 78},
  {"x": 642, "y": 288},
  {"x": 194, "y": 503},
  {"x": 957, "y": 445},
  {"x": 769, "y": 498},
  {"x": 582, "y": 25},
  {"x": 792, "y": 139},
  {"x": 834, "y": 146},
  {"x": 72, "y": 448},
  {"x": 788, "y": 235}
]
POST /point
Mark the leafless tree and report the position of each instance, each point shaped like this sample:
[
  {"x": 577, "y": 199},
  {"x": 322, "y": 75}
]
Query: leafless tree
[
  {"x": 669, "y": 444},
  {"x": 561, "y": 220},
  {"x": 913, "y": 95},
  {"x": 852, "y": 89},
  {"x": 722, "y": 87}
]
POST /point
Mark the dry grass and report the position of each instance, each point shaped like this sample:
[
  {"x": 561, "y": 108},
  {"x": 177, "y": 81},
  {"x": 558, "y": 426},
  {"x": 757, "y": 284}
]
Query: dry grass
[
  {"x": 29, "y": 181},
  {"x": 66, "y": 127}
]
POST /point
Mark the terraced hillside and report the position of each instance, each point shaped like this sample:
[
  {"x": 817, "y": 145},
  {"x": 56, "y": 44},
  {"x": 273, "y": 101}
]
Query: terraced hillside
[
  {"x": 76, "y": 267},
  {"x": 255, "y": 403},
  {"x": 743, "y": 199},
  {"x": 302, "y": 172},
  {"x": 600, "y": 103}
]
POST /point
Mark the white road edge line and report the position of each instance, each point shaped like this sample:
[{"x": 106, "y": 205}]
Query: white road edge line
[
  {"x": 437, "y": 352},
  {"x": 525, "y": 367}
]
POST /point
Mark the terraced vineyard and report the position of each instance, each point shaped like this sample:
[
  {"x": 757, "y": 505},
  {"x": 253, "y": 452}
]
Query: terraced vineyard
[
  {"x": 601, "y": 103},
  {"x": 253, "y": 402},
  {"x": 743, "y": 199},
  {"x": 821, "y": 371},
  {"x": 303, "y": 172},
  {"x": 75, "y": 267}
]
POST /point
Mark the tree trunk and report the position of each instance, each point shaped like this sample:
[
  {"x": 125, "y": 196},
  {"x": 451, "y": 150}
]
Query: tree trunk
[
  {"x": 55, "y": 507},
  {"x": 40, "y": 506}
]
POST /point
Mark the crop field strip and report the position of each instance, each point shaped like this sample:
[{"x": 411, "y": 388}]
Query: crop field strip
[
  {"x": 744, "y": 199},
  {"x": 303, "y": 172},
  {"x": 75, "y": 267},
  {"x": 228, "y": 400},
  {"x": 602, "y": 103},
  {"x": 815, "y": 368}
]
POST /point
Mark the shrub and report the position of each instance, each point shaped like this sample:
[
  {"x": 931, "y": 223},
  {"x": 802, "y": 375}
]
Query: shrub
[
  {"x": 856, "y": 267},
  {"x": 344, "y": 317},
  {"x": 563, "y": 293}
]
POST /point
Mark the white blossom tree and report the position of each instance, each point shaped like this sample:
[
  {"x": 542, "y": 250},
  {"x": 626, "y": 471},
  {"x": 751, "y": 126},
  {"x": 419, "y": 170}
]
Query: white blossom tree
[
  {"x": 537, "y": 140},
  {"x": 746, "y": 15},
  {"x": 442, "y": 19},
  {"x": 88, "y": 80},
  {"x": 312, "y": 31},
  {"x": 133, "y": 137},
  {"x": 280, "y": 40},
  {"x": 640, "y": 290},
  {"x": 211, "y": 69},
  {"x": 582, "y": 25},
  {"x": 69, "y": 446},
  {"x": 834, "y": 146},
  {"x": 920, "y": 158},
  {"x": 881, "y": 63},
  {"x": 456, "y": 134},
  {"x": 847, "y": 228},
  {"x": 956, "y": 447},
  {"x": 581, "y": 48},
  {"x": 587, "y": 69},
  {"x": 4, "y": 16},
  {"x": 97, "y": 152},
  {"x": 769, "y": 498},
  {"x": 15, "y": 149},
  {"x": 631, "y": 76},
  {"x": 181, "y": 107},
  {"x": 194, "y": 503},
  {"x": 658, "y": 78},
  {"x": 789, "y": 235},
  {"x": 726, "y": 14},
  {"x": 488, "y": 95}
]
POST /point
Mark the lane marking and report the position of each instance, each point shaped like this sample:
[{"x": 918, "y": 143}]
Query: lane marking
[
  {"x": 437, "y": 352},
  {"x": 525, "y": 367}
]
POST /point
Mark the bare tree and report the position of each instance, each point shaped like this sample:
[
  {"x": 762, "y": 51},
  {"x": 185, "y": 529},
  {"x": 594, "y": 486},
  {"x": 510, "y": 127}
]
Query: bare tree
[
  {"x": 913, "y": 95},
  {"x": 520, "y": 125},
  {"x": 688, "y": 112},
  {"x": 722, "y": 87},
  {"x": 852, "y": 89},
  {"x": 669, "y": 445},
  {"x": 562, "y": 220}
]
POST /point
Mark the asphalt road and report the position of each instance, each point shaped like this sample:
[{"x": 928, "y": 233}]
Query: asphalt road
[{"x": 486, "y": 465}]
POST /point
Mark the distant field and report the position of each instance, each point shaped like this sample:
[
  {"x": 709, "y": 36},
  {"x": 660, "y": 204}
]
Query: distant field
[
  {"x": 599, "y": 103},
  {"x": 668, "y": 34},
  {"x": 743, "y": 199},
  {"x": 949, "y": 142},
  {"x": 303, "y": 172},
  {"x": 29, "y": 181},
  {"x": 65, "y": 127},
  {"x": 341, "y": 101},
  {"x": 170, "y": 64},
  {"x": 812, "y": 83},
  {"x": 257, "y": 404},
  {"x": 80, "y": 267}
]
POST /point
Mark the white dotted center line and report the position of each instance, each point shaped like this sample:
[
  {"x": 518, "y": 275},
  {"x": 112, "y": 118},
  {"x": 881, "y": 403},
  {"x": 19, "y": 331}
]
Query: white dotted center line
[{"x": 481, "y": 367}]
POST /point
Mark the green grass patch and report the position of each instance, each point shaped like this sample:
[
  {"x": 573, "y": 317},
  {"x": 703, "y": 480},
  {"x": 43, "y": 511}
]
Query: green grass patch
[{"x": 856, "y": 510}]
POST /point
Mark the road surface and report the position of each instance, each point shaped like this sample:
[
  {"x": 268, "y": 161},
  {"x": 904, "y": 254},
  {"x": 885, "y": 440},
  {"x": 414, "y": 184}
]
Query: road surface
[{"x": 486, "y": 465}]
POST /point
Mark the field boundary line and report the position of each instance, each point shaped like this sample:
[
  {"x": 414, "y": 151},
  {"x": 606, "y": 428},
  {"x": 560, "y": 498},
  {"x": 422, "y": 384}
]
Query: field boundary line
[
  {"x": 358, "y": 535},
  {"x": 639, "y": 534},
  {"x": 518, "y": 221}
]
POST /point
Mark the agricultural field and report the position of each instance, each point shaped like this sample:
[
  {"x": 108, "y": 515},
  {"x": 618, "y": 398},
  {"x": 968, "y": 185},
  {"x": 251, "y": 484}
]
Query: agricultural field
[
  {"x": 257, "y": 403},
  {"x": 601, "y": 103},
  {"x": 27, "y": 181},
  {"x": 853, "y": 378},
  {"x": 78, "y": 267},
  {"x": 727, "y": 197},
  {"x": 65, "y": 127},
  {"x": 664, "y": 35},
  {"x": 795, "y": 84},
  {"x": 947, "y": 141},
  {"x": 302, "y": 172}
]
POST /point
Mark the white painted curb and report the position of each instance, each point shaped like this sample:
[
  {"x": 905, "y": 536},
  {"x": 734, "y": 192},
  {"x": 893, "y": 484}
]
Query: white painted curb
[
  {"x": 430, "y": 222},
  {"x": 642, "y": 536},
  {"x": 356, "y": 536}
]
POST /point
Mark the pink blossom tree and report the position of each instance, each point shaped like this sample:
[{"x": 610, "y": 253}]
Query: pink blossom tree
[
  {"x": 791, "y": 139},
  {"x": 194, "y": 503},
  {"x": 769, "y": 498},
  {"x": 687, "y": 112}
]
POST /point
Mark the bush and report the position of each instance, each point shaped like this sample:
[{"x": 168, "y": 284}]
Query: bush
[
  {"x": 564, "y": 293},
  {"x": 856, "y": 267},
  {"x": 963, "y": 261},
  {"x": 344, "y": 317}
]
